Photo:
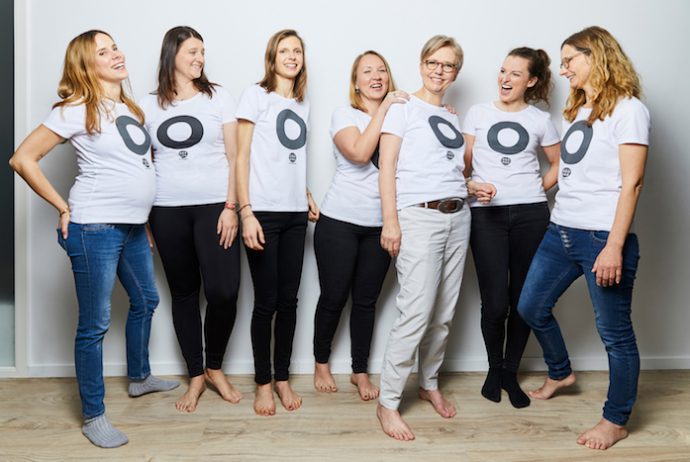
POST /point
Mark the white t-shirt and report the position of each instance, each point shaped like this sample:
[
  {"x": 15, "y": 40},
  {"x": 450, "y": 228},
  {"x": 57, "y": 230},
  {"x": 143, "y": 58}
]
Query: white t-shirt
[
  {"x": 278, "y": 154},
  {"x": 589, "y": 181},
  {"x": 188, "y": 148},
  {"x": 505, "y": 151},
  {"x": 430, "y": 162},
  {"x": 354, "y": 193},
  {"x": 116, "y": 182}
]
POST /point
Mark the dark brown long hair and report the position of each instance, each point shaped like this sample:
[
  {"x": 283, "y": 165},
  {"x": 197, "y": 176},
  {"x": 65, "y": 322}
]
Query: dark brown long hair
[
  {"x": 538, "y": 66},
  {"x": 270, "y": 82},
  {"x": 172, "y": 41}
]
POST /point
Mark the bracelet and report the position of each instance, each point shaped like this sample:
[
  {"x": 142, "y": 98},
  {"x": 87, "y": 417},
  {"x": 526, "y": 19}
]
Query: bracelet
[
  {"x": 231, "y": 206},
  {"x": 245, "y": 205}
]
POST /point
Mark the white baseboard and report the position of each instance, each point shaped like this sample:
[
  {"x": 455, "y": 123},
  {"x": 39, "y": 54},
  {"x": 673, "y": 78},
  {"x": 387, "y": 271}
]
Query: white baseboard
[{"x": 343, "y": 366}]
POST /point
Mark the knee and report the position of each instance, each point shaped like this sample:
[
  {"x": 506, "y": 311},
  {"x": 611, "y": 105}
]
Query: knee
[{"x": 534, "y": 315}]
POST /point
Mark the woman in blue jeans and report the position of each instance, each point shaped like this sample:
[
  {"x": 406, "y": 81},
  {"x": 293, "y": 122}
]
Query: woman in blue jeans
[
  {"x": 102, "y": 226},
  {"x": 603, "y": 156}
]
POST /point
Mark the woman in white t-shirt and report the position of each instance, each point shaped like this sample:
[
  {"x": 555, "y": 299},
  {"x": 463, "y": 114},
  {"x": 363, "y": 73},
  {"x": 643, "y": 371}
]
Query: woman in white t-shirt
[
  {"x": 603, "y": 156},
  {"x": 274, "y": 205},
  {"x": 427, "y": 227},
  {"x": 193, "y": 219},
  {"x": 503, "y": 139},
  {"x": 347, "y": 237},
  {"x": 102, "y": 227}
]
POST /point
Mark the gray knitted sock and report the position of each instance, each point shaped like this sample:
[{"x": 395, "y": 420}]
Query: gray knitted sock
[
  {"x": 101, "y": 432},
  {"x": 151, "y": 384}
]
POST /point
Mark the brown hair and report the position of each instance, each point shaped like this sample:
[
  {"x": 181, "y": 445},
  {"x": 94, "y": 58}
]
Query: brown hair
[
  {"x": 269, "y": 81},
  {"x": 538, "y": 66},
  {"x": 80, "y": 83},
  {"x": 612, "y": 74},
  {"x": 355, "y": 98},
  {"x": 172, "y": 41}
]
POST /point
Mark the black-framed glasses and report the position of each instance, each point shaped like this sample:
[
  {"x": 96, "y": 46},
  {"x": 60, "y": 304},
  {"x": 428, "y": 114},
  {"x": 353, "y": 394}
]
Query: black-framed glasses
[
  {"x": 432, "y": 65},
  {"x": 565, "y": 62}
]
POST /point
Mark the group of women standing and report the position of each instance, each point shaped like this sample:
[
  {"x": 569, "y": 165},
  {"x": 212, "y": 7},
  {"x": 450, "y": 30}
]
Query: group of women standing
[{"x": 410, "y": 184}]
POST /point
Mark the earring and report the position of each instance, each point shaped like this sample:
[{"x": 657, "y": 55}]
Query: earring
[{"x": 357, "y": 90}]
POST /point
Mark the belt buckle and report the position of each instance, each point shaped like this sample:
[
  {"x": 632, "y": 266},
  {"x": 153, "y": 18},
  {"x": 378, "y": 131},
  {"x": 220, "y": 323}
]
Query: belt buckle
[{"x": 451, "y": 205}]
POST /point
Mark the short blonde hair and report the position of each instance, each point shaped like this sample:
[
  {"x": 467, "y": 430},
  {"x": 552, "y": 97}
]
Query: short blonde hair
[
  {"x": 355, "y": 98},
  {"x": 437, "y": 42}
]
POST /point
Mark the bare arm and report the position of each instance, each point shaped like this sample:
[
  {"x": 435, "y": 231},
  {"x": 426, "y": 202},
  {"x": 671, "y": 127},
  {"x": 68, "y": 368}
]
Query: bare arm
[
  {"x": 359, "y": 147},
  {"x": 469, "y": 146},
  {"x": 227, "y": 221},
  {"x": 609, "y": 263},
  {"x": 25, "y": 163},
  {"x": 389, "y": 150},
  {"x": 251, "y": 229},
  {"x": 553, "y": 155},
  {"x": 484, "y": 192}
]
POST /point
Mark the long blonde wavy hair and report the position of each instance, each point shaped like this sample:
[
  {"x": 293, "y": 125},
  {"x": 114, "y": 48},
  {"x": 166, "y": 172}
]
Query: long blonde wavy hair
[
  {"x": 611, "y": 76},
  {"x": 80, "y": 83}
]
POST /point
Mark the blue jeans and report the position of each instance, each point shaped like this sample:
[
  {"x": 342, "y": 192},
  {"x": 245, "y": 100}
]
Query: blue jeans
[
  {"x": 99, "y": 252},
  {"x": 564, "y": 255}
]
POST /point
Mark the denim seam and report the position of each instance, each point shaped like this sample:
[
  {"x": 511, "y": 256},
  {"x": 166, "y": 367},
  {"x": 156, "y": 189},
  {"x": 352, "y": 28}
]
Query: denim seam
[{"x": 128, "y": 268}]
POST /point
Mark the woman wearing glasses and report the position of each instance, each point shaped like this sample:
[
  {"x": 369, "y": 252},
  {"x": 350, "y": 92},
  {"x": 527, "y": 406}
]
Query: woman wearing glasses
[
  {"x": 347, "y": 236},
  {"x": 603, "y": 156},
  {"x": 427, "y": 227},
  {"x": 503, "y": 138},
  {"x": 274, "y": 208}
]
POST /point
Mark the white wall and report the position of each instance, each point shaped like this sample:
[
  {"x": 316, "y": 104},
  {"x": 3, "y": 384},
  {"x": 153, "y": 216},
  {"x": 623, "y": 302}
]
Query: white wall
[{"x": 235, "y": 38}]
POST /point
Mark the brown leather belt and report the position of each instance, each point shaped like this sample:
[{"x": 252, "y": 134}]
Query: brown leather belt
[{"x": 450, "y": 205}]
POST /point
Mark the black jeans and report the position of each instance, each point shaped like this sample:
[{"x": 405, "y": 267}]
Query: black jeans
[
  {"x": 276, "y": 272},
  {"x": 350, "y": 259},
  {"x": 504, "y": 239},
  {"x": 191, "y": 254}
]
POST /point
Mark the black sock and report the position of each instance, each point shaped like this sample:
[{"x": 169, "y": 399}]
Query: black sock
[
  {"x": 492, "y": 385},
  {"x": 509, "y": 383}
]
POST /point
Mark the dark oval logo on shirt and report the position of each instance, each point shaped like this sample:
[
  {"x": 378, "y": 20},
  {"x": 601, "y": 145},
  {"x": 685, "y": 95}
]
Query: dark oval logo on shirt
[
  {"x": 451, "y": 143},
  {"x": 497, "y": 146},
  {"x": 195, "y": 126},
  {"x": 122, "y": 122},
  {"x": 293, "y": 144},
  {"x": 576, "y": 156}
]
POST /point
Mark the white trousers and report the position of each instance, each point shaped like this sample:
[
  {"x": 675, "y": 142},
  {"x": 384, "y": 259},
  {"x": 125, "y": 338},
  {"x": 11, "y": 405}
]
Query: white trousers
[{"x": 429, "y": 266}]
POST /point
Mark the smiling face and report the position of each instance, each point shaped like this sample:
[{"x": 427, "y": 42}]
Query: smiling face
[
  {"x": 372, "y": 78},
  {"x": 514, "y": 80},
  {"x": 576, "y": 67},
  {"x": 289, "y": 58},
  {"x": 109, "y": 61},
  {"x": 436, "y": 81},
  {"x": 189, "y": 60}
]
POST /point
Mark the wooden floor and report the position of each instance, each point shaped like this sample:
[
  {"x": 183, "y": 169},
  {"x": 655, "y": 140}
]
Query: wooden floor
[{"x": 40, "y": 420}]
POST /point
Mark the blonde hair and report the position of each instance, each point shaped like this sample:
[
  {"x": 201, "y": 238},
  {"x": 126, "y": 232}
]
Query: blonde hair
[
  {"x": 437, "y": 42},
  {"x": 270, "y": 81},
  {"x": 355, "y": 98},
  {"x": 611, "y": 76},
  {"x": 80, "y": 83}
]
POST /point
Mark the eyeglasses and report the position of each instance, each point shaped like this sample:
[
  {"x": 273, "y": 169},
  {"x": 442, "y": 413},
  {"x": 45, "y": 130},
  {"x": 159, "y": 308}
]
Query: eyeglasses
[
  {"x": 432, "y": 65},
  {"x": 565, "y": 62}
]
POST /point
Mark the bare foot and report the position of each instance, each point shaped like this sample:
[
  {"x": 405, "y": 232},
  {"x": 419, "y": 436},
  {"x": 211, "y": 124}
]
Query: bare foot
[
  {"x": 551, "y": 386},
  {"x": 441, "y": 405},
  {"x": 603, "y": 435},
  {"x": 188, "y": 401},
  {"x": 290, "y": 400},
  {"x": 263, "y": 400},
  {"x": 220, "y": 382},
  {"x": 393, "y": 424},
  {"x": 367, "y": 390},
  {"x": 323, "y": 379}
]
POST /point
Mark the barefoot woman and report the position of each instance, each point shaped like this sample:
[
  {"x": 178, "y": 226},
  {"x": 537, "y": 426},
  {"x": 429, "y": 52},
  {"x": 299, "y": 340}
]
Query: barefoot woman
[
  {"x": 194, "y": 220},
  {"x": 347, "y": 236},
  {"x": 603, "y": 155},
  {"x": 274, "y": 207}
]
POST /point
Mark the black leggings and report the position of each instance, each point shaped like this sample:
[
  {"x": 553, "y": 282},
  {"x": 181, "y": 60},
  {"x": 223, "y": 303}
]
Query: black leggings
[
  {"x": 276, "y": 273},
  {"x": 349, "y": 258},
  {"x": 504, "y": 239},
  {"x": 188, "y": 245}
]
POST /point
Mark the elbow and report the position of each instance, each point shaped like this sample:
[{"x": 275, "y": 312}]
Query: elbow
[{"x": 15, "y": 164}]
